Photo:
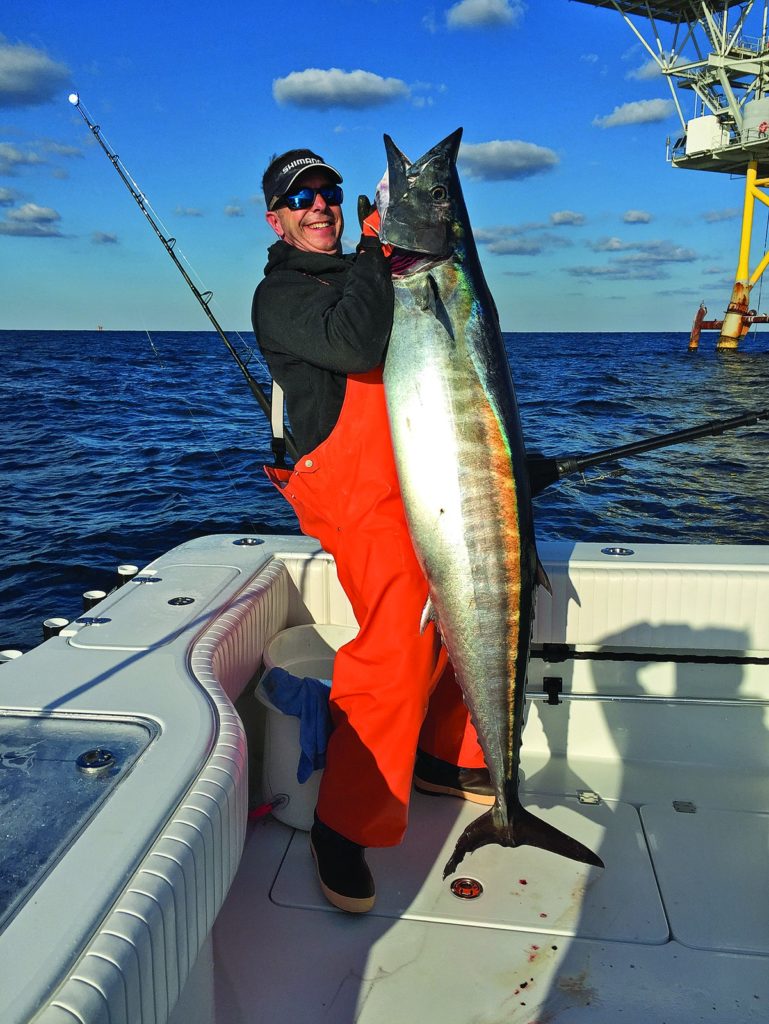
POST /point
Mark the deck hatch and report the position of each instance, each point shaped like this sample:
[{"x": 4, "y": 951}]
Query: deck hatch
[
  {"x": 711, "y": 870},
  {"x": 151, "y": 610},
  {"x": 523, "y": 890},
  {"x": 46, "y": 799}
]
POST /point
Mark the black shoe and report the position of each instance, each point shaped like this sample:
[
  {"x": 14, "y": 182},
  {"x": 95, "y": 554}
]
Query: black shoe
[
  {"x": 436, "y": 777},
  {"x": 342, "y": 870}
]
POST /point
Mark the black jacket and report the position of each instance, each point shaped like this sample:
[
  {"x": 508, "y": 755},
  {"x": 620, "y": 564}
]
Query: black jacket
[{"x": 317, "y": 318}]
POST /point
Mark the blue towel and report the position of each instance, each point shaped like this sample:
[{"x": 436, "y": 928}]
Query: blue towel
[{"x": 307, "y": 700}]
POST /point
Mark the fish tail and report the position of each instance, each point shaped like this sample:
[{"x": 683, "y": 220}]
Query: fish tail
[{"x": 523, "y": 829}]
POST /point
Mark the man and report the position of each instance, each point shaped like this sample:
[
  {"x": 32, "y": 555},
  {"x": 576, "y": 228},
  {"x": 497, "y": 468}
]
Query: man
[{"x": 323, "y": 321}]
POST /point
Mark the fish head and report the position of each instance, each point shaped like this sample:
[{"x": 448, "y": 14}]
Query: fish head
[{"x": 422, "y": 208}]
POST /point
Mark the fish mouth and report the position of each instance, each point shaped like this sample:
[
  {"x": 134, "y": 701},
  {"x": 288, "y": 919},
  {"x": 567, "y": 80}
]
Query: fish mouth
[
  {"x": 406, "y": 262},
  {"x": 434, "y": 244}
]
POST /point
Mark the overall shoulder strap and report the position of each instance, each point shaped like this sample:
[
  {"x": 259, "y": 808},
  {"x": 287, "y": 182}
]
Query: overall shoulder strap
[{"x": 278, "y": 444}]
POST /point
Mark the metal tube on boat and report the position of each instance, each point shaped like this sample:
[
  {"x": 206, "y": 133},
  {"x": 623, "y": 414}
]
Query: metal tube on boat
[
  {"x": 91, "y": 598},
  {"x": 125, "y": 573},
  {"x": 54, "y": 626},
  {"x": 9, "y": 656}
]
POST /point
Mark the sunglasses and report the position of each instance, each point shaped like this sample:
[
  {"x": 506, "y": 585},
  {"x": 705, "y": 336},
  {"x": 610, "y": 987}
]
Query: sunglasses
[{"x": 305, "y": 197}]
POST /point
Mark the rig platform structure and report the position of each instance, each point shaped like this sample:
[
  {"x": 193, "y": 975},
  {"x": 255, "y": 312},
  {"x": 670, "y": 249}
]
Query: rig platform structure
[{"x": 719, "y": 51}]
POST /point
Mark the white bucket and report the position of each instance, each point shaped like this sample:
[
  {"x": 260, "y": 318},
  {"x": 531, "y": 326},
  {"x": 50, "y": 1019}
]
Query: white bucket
[{"x": 302, "y": 651}]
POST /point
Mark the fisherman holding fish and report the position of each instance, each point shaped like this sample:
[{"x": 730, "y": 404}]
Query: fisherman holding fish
[{"x": 323, "y": 321}]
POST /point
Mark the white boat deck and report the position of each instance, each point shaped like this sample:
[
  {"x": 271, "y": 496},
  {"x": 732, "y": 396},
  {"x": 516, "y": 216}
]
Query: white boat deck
[
  {"x": 662, "y": 727},
  {"x": 675, "y": 929}
]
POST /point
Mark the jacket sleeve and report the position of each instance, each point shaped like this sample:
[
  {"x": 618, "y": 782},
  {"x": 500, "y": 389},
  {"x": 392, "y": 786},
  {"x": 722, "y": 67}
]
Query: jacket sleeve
[{"x": 339, "y": 325}]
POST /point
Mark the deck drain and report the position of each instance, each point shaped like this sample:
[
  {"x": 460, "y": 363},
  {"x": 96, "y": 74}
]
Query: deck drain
[{"x": 466, "y": 888}]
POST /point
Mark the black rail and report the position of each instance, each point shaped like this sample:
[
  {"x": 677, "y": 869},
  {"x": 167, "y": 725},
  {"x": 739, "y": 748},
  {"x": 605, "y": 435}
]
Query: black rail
[{"x": 544, "y": 471}]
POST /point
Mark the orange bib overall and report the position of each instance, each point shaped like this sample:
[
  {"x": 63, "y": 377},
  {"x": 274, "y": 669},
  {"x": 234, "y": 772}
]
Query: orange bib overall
[{"x": 345, "y": 493}]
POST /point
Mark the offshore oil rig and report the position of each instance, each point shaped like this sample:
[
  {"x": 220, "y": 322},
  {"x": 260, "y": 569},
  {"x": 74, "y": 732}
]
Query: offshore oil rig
[{"x": 719, "y": 50}]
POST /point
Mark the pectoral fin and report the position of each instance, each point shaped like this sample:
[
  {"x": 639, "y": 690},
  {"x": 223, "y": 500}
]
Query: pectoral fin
[{"x": 428, "y": 615}]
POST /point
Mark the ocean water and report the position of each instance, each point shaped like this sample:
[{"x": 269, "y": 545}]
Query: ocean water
[{"x": 116, "y": 446}]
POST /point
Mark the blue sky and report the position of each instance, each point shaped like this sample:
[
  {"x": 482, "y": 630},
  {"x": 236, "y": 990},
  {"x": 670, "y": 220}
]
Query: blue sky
[{"x": 583, "y": 224}]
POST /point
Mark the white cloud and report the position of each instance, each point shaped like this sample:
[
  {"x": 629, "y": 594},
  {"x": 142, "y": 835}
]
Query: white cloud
[
  {"x": 531, "y": 245},
  {"x": 650, "y": 69},
  {"x": 620, "y": 272},
  {"x": 661, "y": 252},
  {"x": 646, "y": 72},
  {"x": 8, "y": 197},
  {"x": 234, "y": 210},
  {"x": 484, "y": 13},
  {"x": 569, "y": 217},
  {"x": 486, "y": 235},
  {"x": 32, "y": 221},
  {"x": 638, "y": 112},
  {"x": 639, "y": 261},
  {"x": 519, "y": 239},
  {"x": 62, "y": 149},
  {"x": 188, "y": 211},
  {"x": 636, "y": 217},
  {"x": 658, "y": 251},
  {"x": 28, "y": 76},
  {"x": 12, "y": 158},
  {"x": 714, "y": 216},
  {"x": 427, "y": 100},
  {"x": 505, "y": 160},
  {"x": 104, "y": 238},
  {"x": 31, "y": 212},
  {"x": 608, "y": 245},
  {"x": 320, "y": 89}
]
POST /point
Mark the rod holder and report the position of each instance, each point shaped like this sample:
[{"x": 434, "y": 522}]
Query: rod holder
[
  {"x": 125, "y": 573},
  {"x": 52, "y": 627},
  {"x": 92, "y": 598}
]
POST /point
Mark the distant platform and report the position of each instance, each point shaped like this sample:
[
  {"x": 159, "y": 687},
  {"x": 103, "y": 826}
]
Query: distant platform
[{"x": 731, "y": 159}]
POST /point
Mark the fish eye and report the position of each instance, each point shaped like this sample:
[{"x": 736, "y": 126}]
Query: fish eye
[{"x": 439, "y": 193}]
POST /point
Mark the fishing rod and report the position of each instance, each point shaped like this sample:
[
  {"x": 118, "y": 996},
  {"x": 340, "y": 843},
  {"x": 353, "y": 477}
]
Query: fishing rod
[
  {"x": 544, "y": 471},
  {"x": 204, "y": 298}
]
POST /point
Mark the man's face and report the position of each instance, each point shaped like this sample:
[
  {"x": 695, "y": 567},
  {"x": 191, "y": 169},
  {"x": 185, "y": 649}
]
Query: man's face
[{"x": 318, "y": 229}]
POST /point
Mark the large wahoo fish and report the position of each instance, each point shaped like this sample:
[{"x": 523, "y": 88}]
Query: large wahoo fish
[{"x": 462, "y": 469}]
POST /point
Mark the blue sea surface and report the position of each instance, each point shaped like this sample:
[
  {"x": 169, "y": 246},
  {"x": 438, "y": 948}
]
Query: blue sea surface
[{"x": 116, "y": 446}]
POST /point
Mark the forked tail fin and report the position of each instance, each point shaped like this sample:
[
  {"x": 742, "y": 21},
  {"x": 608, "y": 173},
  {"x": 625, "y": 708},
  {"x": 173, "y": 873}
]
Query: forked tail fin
[{"x": 525, "y": 829}]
